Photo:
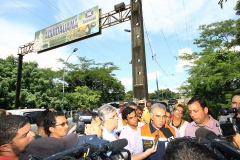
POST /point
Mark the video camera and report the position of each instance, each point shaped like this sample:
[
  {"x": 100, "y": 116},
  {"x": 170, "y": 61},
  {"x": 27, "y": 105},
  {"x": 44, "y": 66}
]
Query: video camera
[
  {"x": 222, "y": 145},
  {"x": 92, "y": 148},
  {"x": 82, "y": 118},
  {"x": 232, "y": 124}
]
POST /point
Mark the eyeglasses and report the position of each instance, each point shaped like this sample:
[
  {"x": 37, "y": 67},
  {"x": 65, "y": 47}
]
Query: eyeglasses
[
  {"x": 178, "y": 111},
  {"x": 114, "y": 117},
  {"x": 62, "y": 124}
]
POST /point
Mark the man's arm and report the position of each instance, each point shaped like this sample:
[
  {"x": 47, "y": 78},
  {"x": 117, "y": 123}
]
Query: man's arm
[{"x": 145, "y": 154}]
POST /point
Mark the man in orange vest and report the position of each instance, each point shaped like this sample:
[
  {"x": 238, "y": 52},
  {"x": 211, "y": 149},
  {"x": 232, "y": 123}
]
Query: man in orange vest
[{"x": 157, "y": 128}]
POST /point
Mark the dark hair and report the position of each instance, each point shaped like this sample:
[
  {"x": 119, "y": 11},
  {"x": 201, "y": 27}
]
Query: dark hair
[
  {"x": 180, "y": 105},
  {"x": 9, "y": 125},
  {"x": 51, "y": 107},
  {"x": 167, "y": 110},
  {"x": 164, "y": 103},
  {"x": 201, "y": 101},
  {"x": 131, "y": 104},
  {"x": 235, "y": 94},
  {"x": 139, "y": 108},
  {"x": 149, "y": 101},
  {"x": 186, "y": 148},
  {"x": 50, "y": 120},
  {"x": 126, "y": 111},
  {"x": 2, "y": 112},
  {"x": 40, "y": 117}
]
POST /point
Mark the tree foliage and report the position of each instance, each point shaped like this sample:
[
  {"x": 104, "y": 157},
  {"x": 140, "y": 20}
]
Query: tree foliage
[
  {"x": 214, "y": 72},
  {"x": 236, "y": 8},
  {"x": 87, "y": 84}
]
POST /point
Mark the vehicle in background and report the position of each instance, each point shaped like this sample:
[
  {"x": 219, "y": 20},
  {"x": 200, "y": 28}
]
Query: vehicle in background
[
  {"x": 172, "y": 101},
  {"x": 29, "y": 113},
  {"x": 115, "y": 104}
]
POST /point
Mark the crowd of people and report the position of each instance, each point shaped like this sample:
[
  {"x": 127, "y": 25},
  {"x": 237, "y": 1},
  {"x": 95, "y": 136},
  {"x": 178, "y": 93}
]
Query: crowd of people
[{"x": 152, "y": 131}]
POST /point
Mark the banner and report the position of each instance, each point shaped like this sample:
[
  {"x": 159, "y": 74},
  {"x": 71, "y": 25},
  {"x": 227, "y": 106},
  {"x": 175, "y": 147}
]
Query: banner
[{"x": 68, "y": 31}]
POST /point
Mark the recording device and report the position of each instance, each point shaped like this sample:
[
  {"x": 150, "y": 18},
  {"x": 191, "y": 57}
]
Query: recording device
[
  {"x": 232, "y": 125},
  {"x": 93, "y": 148},
  {"x": 155, "y": 141},
  {"x": 82, "y": 118},
  {"x": 222, "y": 148}
]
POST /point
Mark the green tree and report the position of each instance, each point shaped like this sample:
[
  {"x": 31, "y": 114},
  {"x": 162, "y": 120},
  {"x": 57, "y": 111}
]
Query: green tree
[
  {"x": 96, "y": 76},
  {"x": 236, "y": 8},
  {"x": 214, "y": 72},
  {"x": 83, "y": 97}
]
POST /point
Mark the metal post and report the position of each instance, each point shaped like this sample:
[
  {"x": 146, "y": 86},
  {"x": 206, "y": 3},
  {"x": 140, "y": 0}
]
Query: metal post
[
  {"x": 75, "y": 49},
  {"x": 19, "y": 77}
]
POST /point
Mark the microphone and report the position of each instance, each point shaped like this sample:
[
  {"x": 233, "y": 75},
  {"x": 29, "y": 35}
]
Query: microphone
[
  {"x": 219, "y": 146},
  {"x": 112, "y": 146},
  {"x": 205, "y": 133},
  {"x": 167, "y": 133}
]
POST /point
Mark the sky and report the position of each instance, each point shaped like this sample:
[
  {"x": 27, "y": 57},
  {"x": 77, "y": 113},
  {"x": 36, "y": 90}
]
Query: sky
[{"x": 171, "y": 25}]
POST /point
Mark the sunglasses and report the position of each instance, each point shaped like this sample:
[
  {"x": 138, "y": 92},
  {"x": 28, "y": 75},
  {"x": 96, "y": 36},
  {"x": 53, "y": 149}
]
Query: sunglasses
[
  {"x": 62, "y": 124},
  {"x": 178, "y": 111}
]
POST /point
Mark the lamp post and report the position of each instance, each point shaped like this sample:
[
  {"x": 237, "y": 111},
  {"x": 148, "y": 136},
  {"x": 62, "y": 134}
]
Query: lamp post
[
  {"x": 75, "y": 49},
  {"x": 154, "y": 59}
]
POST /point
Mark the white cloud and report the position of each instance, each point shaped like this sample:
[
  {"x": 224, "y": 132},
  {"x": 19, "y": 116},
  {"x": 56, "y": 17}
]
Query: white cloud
[
  {"x": 126, "y": 81},
  {"x": 181, "y": 63},
  {"x": 152, "y": 76}
]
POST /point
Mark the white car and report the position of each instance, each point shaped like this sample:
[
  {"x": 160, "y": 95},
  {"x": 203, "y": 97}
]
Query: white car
[{"x": 29, "y": 113}]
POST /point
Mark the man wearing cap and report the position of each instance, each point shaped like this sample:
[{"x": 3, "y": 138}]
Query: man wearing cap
[
  {"x": 55, "y": 124},
  {"x": 15, "y": 134}
]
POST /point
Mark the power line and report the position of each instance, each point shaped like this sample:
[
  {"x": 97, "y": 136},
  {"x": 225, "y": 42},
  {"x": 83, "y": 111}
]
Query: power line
[
  {"x": 108, "y": 48},
  {"x": 186, "y": 22},
  {"x": 165, "y": 73},
  {"x": 154, "y": 55},
  {"x": 174, "y": 25},
  {"x": 57, "y": 9},
  {"x": 30, "y": 12},
  {"x": 161, "y": 31}
]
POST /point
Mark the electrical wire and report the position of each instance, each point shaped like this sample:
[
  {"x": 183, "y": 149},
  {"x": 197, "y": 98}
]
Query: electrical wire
[
  {"x": 186, "y": 22},
  {"x": 174, "y": 25},
  {"x": 161, "y": 30},
  {"x": 154, "y": 56},
  {"x": 31, "y": 12}
]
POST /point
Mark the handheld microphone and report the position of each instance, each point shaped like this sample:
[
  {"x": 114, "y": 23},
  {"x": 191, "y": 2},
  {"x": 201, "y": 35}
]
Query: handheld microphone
[{"x": 167, "y": 133}]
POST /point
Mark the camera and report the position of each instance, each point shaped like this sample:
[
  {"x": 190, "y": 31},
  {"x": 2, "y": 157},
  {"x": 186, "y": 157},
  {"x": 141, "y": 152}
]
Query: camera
[
  {"x": 222, "y": 145},
  {"x": 232, "y": 124},
  {"x": 82, "y": 118}
]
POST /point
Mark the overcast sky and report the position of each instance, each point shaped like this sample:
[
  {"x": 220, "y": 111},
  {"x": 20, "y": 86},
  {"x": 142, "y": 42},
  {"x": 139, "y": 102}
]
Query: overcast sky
[{"x": 171, "y": 25}]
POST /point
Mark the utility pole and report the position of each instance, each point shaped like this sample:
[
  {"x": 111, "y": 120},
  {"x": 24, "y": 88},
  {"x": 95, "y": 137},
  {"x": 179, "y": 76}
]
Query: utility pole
[{"x": 139, "y": 69}]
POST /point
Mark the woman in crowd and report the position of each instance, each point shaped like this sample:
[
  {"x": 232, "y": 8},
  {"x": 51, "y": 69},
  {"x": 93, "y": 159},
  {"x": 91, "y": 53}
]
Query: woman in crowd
[{"x": 177, "y": 120}]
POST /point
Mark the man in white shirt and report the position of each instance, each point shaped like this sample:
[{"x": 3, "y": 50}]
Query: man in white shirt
[{"x": 132, "y": 133}]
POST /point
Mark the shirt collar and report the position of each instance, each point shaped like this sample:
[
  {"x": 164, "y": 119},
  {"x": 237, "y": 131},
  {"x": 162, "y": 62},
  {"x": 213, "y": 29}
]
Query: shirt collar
[
  {"x": 153, "y": 129},
  {"x": 210, "y": 123}
]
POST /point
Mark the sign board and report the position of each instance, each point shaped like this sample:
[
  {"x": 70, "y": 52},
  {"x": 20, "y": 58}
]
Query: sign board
[{"x": 75, "y": 28}]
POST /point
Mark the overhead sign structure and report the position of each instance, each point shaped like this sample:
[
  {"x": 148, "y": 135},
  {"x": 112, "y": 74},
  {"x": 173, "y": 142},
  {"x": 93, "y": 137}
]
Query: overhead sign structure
[{"x": 75, "y": 28}]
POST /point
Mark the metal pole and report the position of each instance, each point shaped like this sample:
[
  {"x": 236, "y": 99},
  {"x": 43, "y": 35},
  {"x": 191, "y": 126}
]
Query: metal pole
[
  {"x": 154, "y": 59},
  {"x": 19, "y": 76},
  {"x": 75, "y": 49}
]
